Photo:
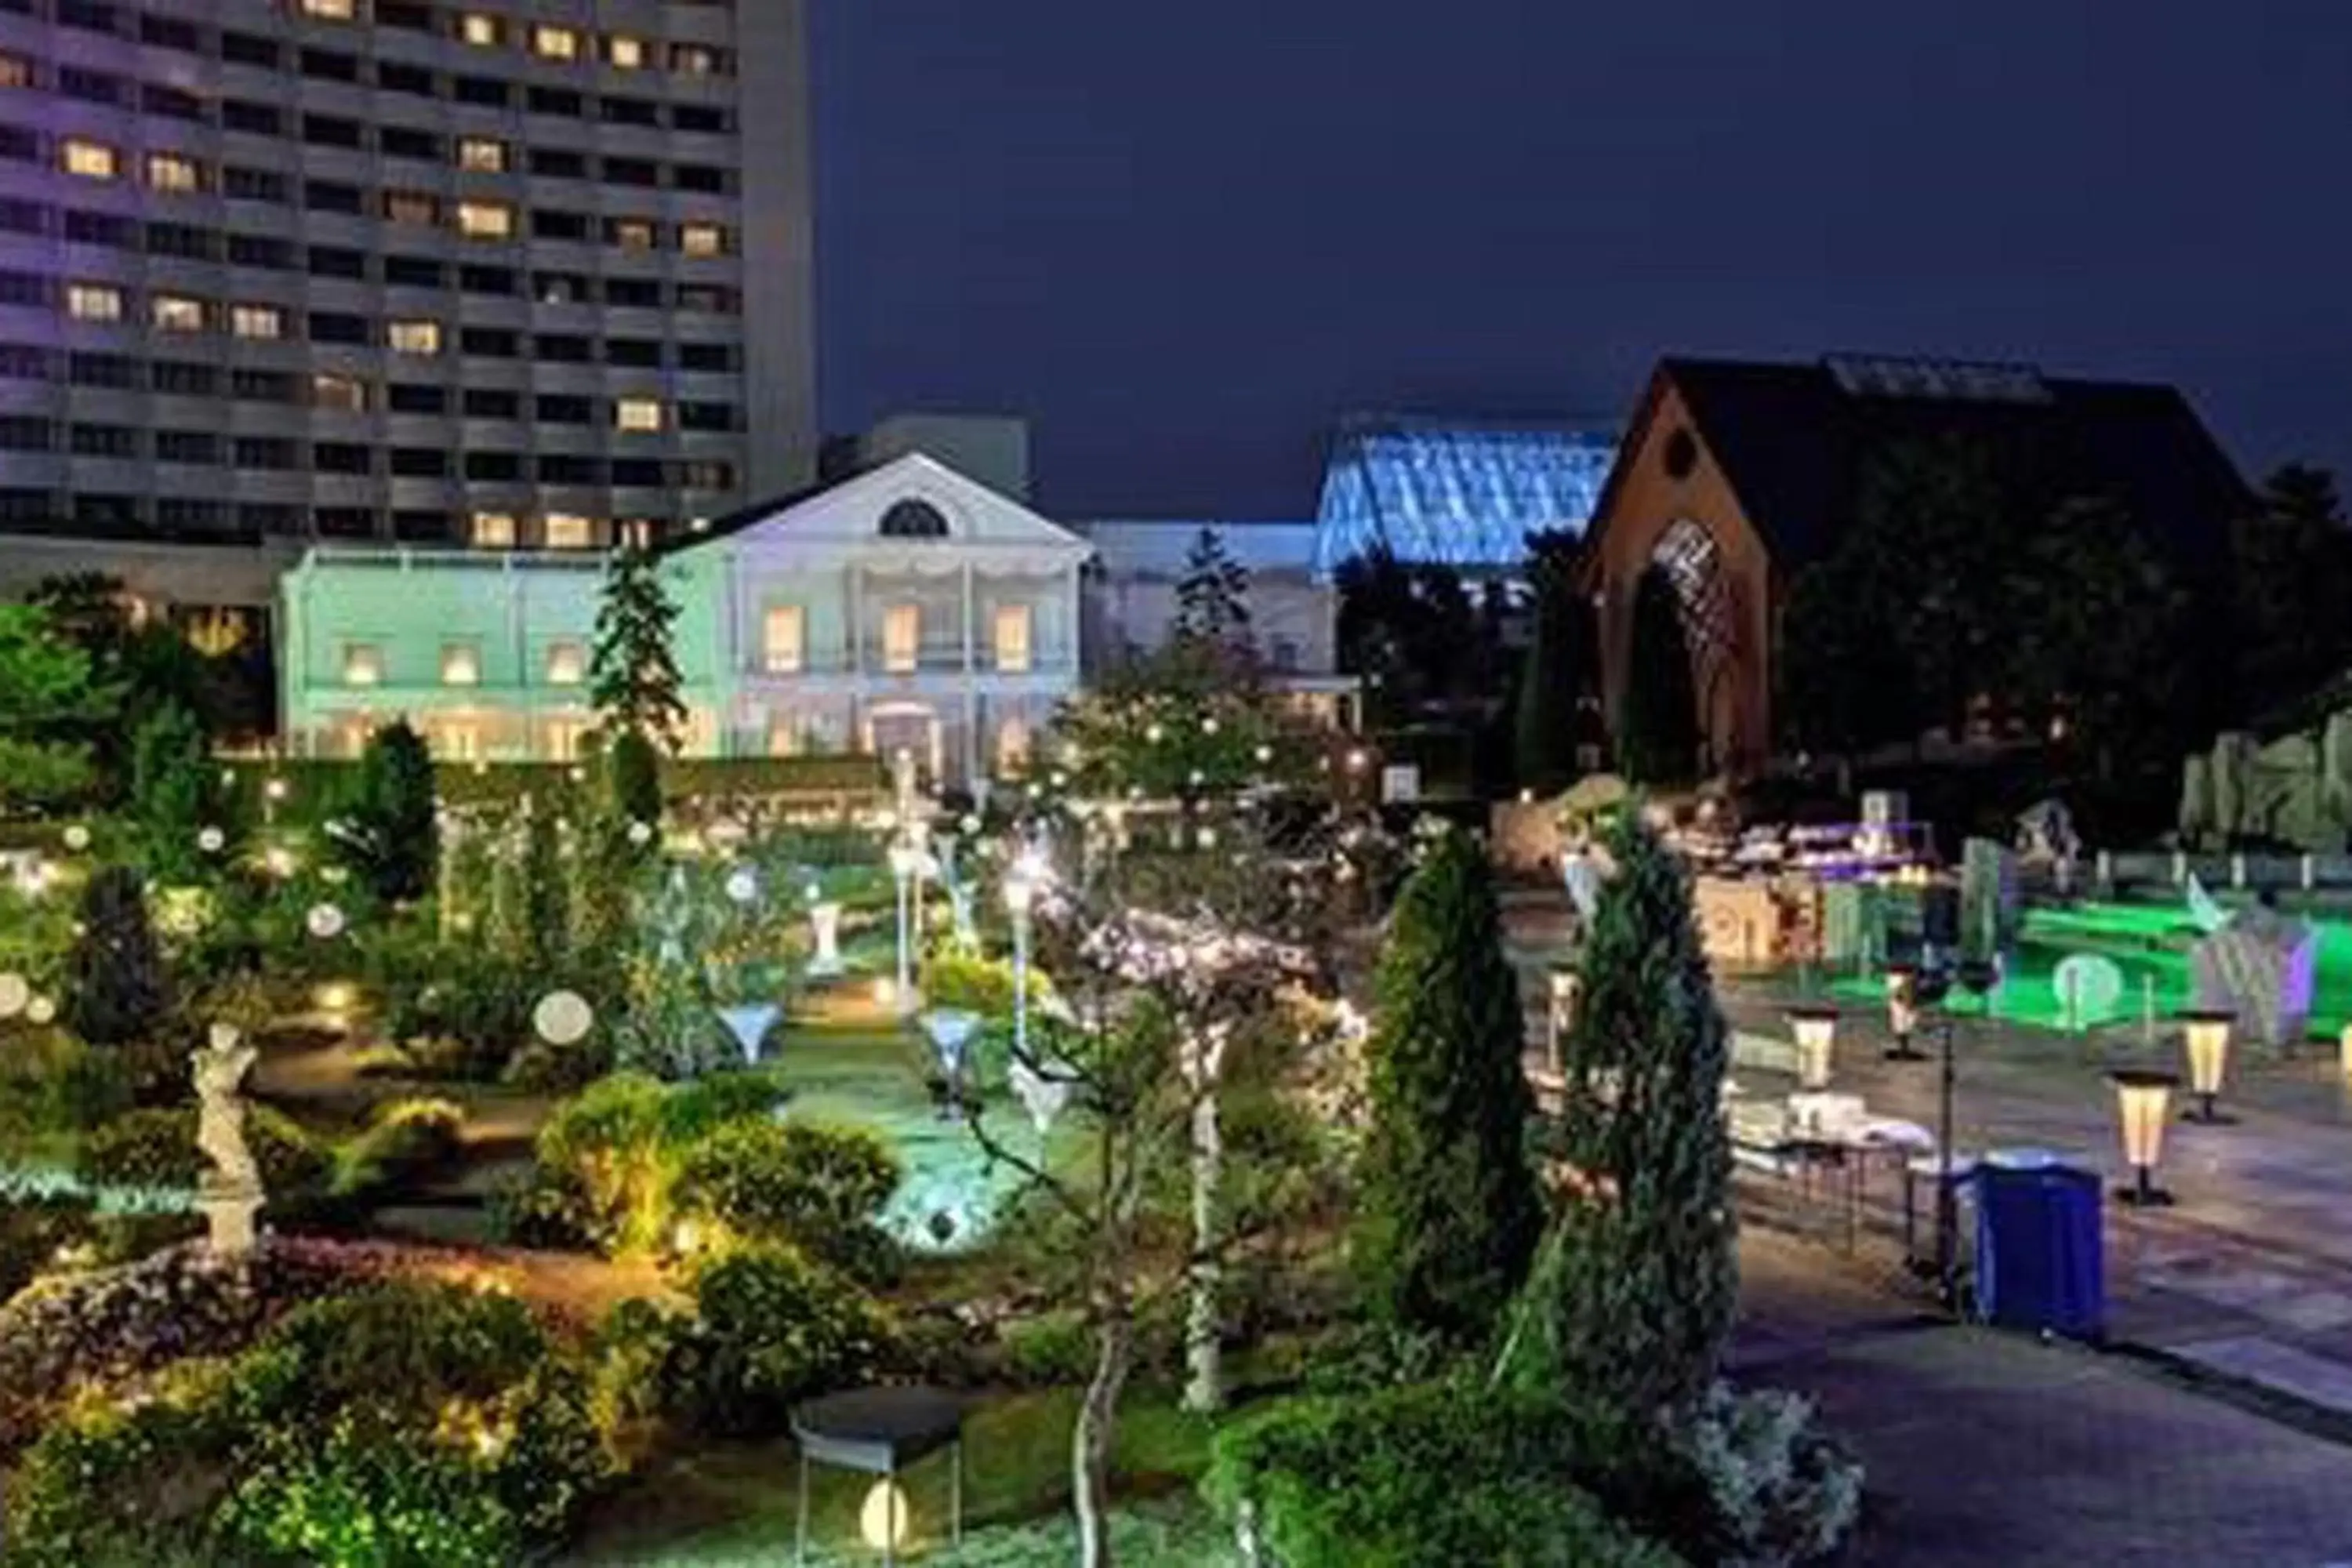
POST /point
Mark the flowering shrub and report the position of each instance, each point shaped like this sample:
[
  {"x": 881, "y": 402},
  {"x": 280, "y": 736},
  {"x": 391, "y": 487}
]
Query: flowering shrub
[
  {"x": 818, "y": 1187},
  {"x": 403, "y": 1423},
  {"x": 112, "y": 1327},
  {"x": 1783, "y": 1491}
]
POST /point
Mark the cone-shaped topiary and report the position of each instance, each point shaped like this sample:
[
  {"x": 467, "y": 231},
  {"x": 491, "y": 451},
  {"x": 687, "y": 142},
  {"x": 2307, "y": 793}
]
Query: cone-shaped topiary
[
  {"x": 1633, "y": 1293},
  {"x": 390, "y": 833},
  {"x": 1448, "y": 1208},
  {"x": 118, "y": 991}
]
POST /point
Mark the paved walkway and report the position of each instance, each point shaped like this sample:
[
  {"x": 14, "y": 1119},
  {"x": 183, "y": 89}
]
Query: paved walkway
[{"x": 2249, "y": 1276}]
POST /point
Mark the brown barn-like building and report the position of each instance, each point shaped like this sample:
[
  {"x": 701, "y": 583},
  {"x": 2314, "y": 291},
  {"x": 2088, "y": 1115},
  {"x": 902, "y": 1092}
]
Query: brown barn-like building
[{"x": 1734, "y": 474}]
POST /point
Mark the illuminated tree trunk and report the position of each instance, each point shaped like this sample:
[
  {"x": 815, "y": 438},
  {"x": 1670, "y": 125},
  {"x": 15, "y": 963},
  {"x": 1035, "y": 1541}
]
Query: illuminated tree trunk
[
  {"x": 1090, "y": 1441},
  {"x": 1204, "y": 1361}
]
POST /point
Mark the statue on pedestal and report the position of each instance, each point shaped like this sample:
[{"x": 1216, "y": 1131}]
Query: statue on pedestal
[{"x": 230, "y": 1194}]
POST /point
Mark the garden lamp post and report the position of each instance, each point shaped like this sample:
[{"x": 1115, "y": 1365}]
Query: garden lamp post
[
  {"x": 1903, "y": 1013},
  {"x": 2208, "y": 1034},
  {"x": 1815, "y": 1028},
  {"x": 903, "y": 856},
  {"x": 2141, "y": 1099},
  {"x": 1020, "y": 893}
]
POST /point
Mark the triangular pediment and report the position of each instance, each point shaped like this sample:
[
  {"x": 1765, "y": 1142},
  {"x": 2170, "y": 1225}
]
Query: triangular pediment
[{"x": 914, "y": 506}]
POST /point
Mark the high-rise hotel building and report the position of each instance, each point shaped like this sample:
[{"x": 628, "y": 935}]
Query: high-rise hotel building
[{"x": 508, "y": 273}]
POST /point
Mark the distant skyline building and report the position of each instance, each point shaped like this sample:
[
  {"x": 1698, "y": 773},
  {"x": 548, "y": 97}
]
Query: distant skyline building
[
  {"x": 492, "y": 273},
  {"x": 1463, "y": 493}
]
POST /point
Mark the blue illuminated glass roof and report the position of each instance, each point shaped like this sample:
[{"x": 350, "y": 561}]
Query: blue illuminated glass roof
[{"x": 1462, "y": 494}]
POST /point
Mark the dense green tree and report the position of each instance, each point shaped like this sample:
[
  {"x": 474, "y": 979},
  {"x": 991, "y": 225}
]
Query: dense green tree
[
  {"x": 632, "y": 789},
  {"x": 1447, "y": 1211},
  {"x": 389, "y": 831},
  {"x": 117, "y": 988},
  {"x": 1554, "y": 674},
  {"x": 632, "y": 679},
  {"x": 50, "y": 700},
  {"x": 1632, "y": 1295},
  {"x": 2100, "y": 633},
  {"x": 175, "y": 793},
  {"x": 1212, "y": 595},
  {"x": 546, "y": 923},
  {"x": 1191, "y": 721},
  {"x": 2293, "y": 566},
  {"x": 1657, "y": 720}
]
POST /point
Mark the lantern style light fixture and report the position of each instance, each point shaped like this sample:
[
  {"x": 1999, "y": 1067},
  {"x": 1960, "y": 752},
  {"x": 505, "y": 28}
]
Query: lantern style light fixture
[
  {"x": 1816, "y": 1031},
  {"x": 904, "y": 856},
  {"x": 1903, "y": 1013},
  {"x": 2142, "y": 1098},
  {"x": 1021, "y": 883},
  {"x": 882, "y": 1518},
  {"x": 2207, "y": 1031}
]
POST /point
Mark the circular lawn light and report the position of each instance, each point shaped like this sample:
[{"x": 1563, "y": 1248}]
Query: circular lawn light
[
  {"x": 324, "y": 921},
  {"x": 742, "y": 885},
  {"x": 210, "y": 840},
  {"x": 562, "y": 1017},
  {"x": 77, "y": 838},
  {"x": 16, "y": 994},
  {"x": 40, "y": 1010}
]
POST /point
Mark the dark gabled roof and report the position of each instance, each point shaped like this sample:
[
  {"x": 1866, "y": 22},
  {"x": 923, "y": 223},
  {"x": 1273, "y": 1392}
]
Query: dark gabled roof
[{"x": 1794, "y": 440}]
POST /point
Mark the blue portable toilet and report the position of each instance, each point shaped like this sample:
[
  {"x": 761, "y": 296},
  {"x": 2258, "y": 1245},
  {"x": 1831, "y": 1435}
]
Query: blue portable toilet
[{"x": 2040, "y": 1248}]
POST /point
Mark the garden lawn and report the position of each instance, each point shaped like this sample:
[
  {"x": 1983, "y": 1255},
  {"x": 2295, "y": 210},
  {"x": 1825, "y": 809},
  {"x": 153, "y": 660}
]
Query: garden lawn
[
  {"x": 737, "y": 1505},
  {"x": 861, "y": 1074}
]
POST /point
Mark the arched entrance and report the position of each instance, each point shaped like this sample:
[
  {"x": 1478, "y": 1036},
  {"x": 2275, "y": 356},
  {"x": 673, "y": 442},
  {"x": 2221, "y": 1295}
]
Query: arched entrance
[{"x": 1710, "y": 602}]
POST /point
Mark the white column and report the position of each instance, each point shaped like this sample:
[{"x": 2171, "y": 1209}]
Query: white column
[
  {"x": 970, "y": 749},
  {"x": 856, "y": 618}
]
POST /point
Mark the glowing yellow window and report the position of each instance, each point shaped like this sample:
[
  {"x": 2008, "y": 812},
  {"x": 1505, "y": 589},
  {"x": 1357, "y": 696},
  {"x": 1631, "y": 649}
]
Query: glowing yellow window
[
  {"x": 633, "y": 233},
  {"x": 485, "y": 220},
  {"x": 564, "y": 738},
  {"x": 568, "y": 531},
  {"x": 902, "y": 639},
  {"x": 461, "y": 663},
  {"x": 482, "y": 32},
  {"x": 363, "y": 664},
  {"x": 555, "y": 43},
  {"x": 93, "y": 303},
  {"x": 494, "y": 529},
  {"x": 637, "y": 414},
  {"x": 783, "y": 736},
  {"x": 567, "y": 664},
  {"x": 1012, "y": 745},
  {"x": 90, "y": 160},
  {"x": 16, "y": 70},
  {"x": 783, "y": 638},
  {"x": 256, "y": 321},
  {"x": 482, "y": 154},
  {"x": 412, "y": 337},
  {"x": 460, "y": 742},
  {"x": 170, "y": 171},
  {"x": 702, "y": 239},
  {"x": 625, "y": 53},
  {"x": 175, "y": 313},
  {"x": 332, "y": 10},
  {"x": 1012, "y": 637}
]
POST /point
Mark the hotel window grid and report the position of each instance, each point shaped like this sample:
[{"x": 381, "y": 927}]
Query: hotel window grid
[
  {"x": 175, "y": 313},
  {"x": 623, "y": 52},
  {"x": 637, "y": 414},
  {"x": 555, "y": 43},
  {"x": 89, "y": 159},
  {"x": 363, "y": 664},
  {"x": 493, "y": 530},
  {"x": 256, "y": 321},
  {"x": 461, "y": 663},
  {"x": 330, "y": 10},
  {"x": 567, "y": 664},
  {"x": 902, "y": 639},
  {"x": 412, "y": 337},
  {"x": 339, "y": 393},
  {"x": 485, "y": 220},
  {"x": 568, "y": 531},
  {"x": 482, "y": 155},
  {"x": 702, "y": 239},
  {"x": 482, "y": 31},
  {"x": 171, "y": 171},
  {"x": 782, "y": 639}
]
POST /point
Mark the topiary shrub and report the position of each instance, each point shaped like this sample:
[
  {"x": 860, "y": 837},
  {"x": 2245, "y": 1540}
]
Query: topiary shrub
[
  {"x": 406, "y": 1141},
  {"x": 1431, "y": 1473},
  {"x": 365, "y": 1492},
  {"x": 818, "y": 1187},
  {"x": 772, "y": 1328}
]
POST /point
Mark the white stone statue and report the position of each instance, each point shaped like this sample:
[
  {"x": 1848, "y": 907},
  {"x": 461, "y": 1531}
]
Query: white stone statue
[
  {"x": 824, "y": 921},
  {"x": 230, "y": 1193}
]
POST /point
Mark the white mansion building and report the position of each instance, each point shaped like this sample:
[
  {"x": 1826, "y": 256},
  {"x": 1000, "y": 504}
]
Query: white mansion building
[{"x": 907, "y": 607}]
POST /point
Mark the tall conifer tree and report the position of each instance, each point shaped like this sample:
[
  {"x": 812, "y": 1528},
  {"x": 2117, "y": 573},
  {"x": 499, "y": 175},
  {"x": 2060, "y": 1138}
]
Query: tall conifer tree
[
  {"x": 633, "y": 680},
  {"x": 1632, "y": 1294},
  {"x": 1448, "y": 1208},
  {"x": 1657, "y": 725}
]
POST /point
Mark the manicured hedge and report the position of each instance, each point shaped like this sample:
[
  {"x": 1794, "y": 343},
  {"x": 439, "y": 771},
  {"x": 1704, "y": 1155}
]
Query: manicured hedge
[{"x": 314, "y": 781}]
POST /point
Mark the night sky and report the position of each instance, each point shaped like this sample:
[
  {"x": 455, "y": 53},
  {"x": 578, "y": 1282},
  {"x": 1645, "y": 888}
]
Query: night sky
[{"x": 1183, "y": 238}]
